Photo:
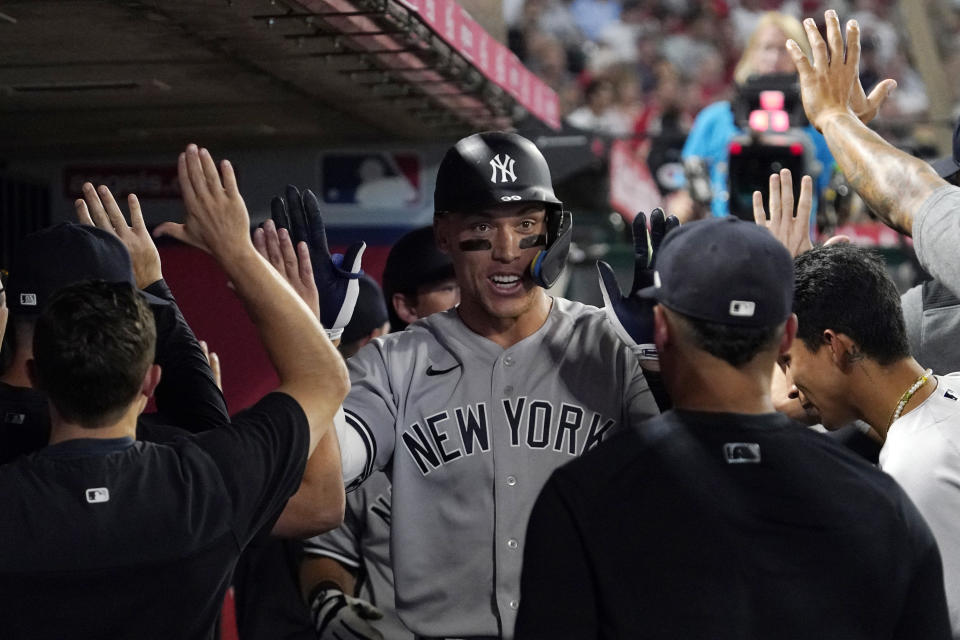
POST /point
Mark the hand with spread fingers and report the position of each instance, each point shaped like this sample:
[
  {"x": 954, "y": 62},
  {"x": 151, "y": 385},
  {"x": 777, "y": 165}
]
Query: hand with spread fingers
[
  {"x": 216, "y": 218},
  {"x": 98, "y": 209},
  {"x": 336, "y": 276},
  {"x": 793, "y": 231},
  {"x": 831, "y": 83},
  {"x": 632, "y": 316},
  {"x": 292, "y": 263}
]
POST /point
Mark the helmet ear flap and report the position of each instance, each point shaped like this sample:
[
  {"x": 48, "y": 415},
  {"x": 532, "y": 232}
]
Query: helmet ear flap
[{"x": 551, "y": 260}]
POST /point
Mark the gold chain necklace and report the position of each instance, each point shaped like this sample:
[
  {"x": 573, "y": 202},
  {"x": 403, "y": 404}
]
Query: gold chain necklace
[{"x": 905, "y": 398}]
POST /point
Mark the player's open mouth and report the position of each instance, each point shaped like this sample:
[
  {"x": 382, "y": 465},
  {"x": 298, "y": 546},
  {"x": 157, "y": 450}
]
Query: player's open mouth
[{"x": 506, "y": 283}]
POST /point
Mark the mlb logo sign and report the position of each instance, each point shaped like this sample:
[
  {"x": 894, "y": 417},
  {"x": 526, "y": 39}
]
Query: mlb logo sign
[
  {"x": 98, "y": 494},
  {"x": 28, "y": 299},
  {"x": 371, "y": 180}
]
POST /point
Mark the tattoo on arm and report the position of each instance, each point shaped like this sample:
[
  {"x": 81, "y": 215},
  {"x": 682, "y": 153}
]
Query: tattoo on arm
[{"x": 892, "y": 182}]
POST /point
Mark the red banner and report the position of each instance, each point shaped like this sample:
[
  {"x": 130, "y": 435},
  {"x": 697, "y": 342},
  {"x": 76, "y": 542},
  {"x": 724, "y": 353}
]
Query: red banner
[
  {"x": 495, "y": 61},
  {"x": 147, "y": 181},
  {"x": 632, "y": 188}
]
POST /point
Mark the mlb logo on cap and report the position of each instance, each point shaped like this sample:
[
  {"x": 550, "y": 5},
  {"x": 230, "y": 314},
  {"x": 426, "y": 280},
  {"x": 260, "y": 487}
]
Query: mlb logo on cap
[
  {"x": 742, "y": 308},
  {"x": 52, "y": 258}
]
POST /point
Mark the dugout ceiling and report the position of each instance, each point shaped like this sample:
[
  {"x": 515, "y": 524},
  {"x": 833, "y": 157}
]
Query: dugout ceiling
[{"x": 135, "y": 75}]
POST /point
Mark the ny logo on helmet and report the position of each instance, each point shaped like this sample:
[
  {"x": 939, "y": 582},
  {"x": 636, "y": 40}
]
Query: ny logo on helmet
[{"x": 504, "y": 166}]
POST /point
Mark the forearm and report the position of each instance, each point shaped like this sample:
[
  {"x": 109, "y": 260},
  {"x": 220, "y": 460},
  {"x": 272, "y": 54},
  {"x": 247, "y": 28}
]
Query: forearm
[
  {"x": 308, "y": 365},
  {"x": 892, "y": 182},
  {"x": 279, "y": 315},
  {"x": 316, "y": 570},
  {"x": 187, "y": 396},
  {"x": 319, "y": 503}
]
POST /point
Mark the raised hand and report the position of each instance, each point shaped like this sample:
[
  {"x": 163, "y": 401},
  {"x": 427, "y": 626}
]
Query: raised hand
[
  {"x": 98, "y": 209},
  {"x": 793, "y": 231},
  {"x": 293, "y": 264},
  {"x": 216, "y": 216},
  {"x": 632, "y": 316},
  {"x": 831, "y": 84},
  {"x": 336, "y": 276}
]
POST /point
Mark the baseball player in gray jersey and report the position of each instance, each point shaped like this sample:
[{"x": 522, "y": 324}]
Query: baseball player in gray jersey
[{"x": 471, "y": 410}]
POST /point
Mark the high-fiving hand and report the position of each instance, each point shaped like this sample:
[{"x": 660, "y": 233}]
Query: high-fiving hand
[
  {"x": 632, "y": 316},
  {"x": 831, "y": 84},
  {"x": 98, "y": 209},
  {"x": 216, "y": 216},
  {"x": 792, "y": 231},
  {"x": 336, "y": 276}
]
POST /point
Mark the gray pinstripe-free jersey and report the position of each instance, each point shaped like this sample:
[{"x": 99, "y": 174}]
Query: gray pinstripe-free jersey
[{"x": 471, "y": 432}]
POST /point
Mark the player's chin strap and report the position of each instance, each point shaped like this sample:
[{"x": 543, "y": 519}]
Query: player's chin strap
[{"x": 549, "y": 262}]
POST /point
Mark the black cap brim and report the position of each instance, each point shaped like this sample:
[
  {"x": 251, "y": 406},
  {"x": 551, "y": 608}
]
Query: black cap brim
[{"x": 649, "y": 293}]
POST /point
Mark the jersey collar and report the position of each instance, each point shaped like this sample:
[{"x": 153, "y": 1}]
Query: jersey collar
[{"x": 87, "y": 447}]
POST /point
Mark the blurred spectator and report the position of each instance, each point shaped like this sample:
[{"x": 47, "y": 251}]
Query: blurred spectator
[
  {"x": 874, "y": 18},
  {"x": 598, "y": 114},
  {"x": 593, "y": 16},
  {"x": 715, "y": 127}
]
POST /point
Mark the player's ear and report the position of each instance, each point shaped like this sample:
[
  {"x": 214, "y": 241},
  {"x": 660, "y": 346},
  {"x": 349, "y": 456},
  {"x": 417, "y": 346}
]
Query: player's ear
[
  {"x": 150, "y": 380},
  {"x": 441, "y": 232},
  {"x": 789, "y": 335},
  {"x": 406, "y": 307},
  {"x": 844, "y": 352},
  {"x": 661, "y": 328}
]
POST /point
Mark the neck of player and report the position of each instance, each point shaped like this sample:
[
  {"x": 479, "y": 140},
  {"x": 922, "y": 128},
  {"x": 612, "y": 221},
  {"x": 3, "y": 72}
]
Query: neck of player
[
  {"x": 699, "y": 382},
  {"x": 62, "y": 430},
  {"x": 506, "y": 332},
  {"x": 877, "y": 391}
]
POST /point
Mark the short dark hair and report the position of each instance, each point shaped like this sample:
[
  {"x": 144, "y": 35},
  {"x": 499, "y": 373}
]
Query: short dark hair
[
  {"x": 736, "y": 345},
  {"x": 847, "y": 289},
  {"x": 92, "y": 346}
]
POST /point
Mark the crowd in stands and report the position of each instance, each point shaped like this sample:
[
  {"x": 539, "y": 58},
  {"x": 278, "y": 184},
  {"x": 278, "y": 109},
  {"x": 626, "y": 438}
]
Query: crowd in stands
[{"x": 645, "y": 67}]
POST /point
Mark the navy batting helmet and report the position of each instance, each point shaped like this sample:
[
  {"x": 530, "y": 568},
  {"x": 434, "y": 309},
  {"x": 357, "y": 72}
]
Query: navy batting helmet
[{"x": 493, "y": 168}]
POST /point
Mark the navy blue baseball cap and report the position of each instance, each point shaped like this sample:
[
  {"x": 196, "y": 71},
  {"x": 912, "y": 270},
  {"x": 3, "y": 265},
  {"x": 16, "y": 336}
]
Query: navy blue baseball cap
[
  {"x": 726, "y": 271},
  {"x": 52, "y": 258},
  {"x": 414, "y": 260},
  {"x": 369, "y": 314}
]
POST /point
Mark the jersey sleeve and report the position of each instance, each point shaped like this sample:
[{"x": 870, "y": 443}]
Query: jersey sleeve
[
  {"x": 370, "y": 408},
  {"x": 911, "y": 302},
  {"x": 187, "y": 396},
  {"x": 936, "y": 235},
  {"x": 639, "y": 401},
  {"x": 557, "y": 595},
  {"x": 261, "y": 456},
  {"x": 343, "y": 543}
]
